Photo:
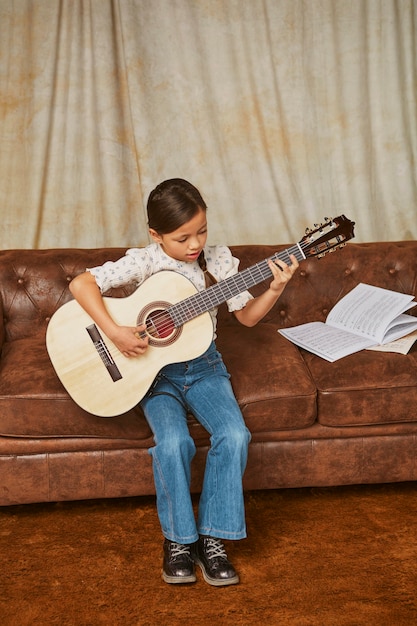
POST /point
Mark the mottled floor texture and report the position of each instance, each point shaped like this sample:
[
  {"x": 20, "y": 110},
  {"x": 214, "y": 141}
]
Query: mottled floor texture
[{"x": 336, "y": 556}]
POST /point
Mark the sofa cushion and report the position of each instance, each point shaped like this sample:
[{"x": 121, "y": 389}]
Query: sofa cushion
[
  {"x": 33, "y": 402},
  {"x": 276, "y": 392},
  {"x": 365, "y": 388}
]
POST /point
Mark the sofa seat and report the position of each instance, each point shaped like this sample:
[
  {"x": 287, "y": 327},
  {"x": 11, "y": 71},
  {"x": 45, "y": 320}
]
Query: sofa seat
[
  {"x": 366, "y": 388},
  {"x": 28, "y": 385}
]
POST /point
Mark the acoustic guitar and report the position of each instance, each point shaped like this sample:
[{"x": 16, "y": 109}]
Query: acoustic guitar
[{"x": 103, "y": 381}]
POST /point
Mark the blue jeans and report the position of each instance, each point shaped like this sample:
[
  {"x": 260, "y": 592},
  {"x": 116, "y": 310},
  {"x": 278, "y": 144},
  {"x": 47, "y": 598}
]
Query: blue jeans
[{"x": 201, "y": 386}]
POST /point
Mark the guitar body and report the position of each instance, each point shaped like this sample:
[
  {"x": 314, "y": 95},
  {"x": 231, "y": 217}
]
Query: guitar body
[{"x": 78, "y": 361}]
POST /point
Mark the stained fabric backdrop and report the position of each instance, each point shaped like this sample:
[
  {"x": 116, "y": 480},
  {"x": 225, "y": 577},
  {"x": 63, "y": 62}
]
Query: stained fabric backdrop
[{"x": 280, "y": 111}]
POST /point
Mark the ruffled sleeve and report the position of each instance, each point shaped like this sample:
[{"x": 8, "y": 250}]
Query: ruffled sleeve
[
  {"x": 222, "y": 264},
  {"x": 134, "y": 267}
]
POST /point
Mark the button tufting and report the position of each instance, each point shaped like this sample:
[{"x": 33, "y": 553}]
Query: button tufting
[
  {"x": 348, "y": 271},
  {"x": 392, "y": 270},
  {"x": 283, "y": 313},
  {"x": 69, "y": 279},
  {"x": 20, "y": 281}
]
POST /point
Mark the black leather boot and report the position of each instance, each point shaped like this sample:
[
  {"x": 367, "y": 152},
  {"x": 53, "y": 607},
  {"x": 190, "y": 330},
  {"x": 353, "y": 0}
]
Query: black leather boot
[
  {"x": 210, "y": 555},
  {"x": 178, "y": 566}
]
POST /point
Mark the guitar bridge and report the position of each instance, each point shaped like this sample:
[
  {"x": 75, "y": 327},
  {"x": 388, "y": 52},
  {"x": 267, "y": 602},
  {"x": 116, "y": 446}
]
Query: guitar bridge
[{"x": 104, "y": 353}]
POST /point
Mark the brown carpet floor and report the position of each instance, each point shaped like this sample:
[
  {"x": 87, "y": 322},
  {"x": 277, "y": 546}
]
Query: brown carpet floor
[{"x": 339, "y": 556}]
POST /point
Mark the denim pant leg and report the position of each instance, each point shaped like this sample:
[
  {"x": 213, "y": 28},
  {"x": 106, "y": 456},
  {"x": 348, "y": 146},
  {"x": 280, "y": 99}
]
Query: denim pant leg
[
  {"x": 212, "y": 401},
  {"x": 171, "y": 457},
  {"x": 201, "y": 385}
]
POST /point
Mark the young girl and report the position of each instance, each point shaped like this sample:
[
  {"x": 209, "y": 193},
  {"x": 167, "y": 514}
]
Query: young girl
[{"x": 178, "y": 228}]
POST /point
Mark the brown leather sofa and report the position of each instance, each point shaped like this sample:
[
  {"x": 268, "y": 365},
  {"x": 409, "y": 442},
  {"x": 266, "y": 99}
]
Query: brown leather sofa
[{"x": 313, "y": 423}]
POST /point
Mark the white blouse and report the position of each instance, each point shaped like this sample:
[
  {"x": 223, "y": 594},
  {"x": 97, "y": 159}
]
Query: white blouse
[{"x": 138, "y": 264}]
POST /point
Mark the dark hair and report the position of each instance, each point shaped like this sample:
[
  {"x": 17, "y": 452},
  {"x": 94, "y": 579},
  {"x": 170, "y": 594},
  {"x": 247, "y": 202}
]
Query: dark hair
[
  {"x": 170, "y": 205},
  {"x": 173, "y": 203}
]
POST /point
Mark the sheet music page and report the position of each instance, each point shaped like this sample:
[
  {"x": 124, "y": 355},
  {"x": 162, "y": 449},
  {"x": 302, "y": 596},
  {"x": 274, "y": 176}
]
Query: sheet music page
[
  {"x": 326, "y": 341},
  {"x": 368, "y": 310}
]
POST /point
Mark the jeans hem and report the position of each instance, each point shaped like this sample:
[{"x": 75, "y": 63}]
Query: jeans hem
[{"x": 221, "y": 534}]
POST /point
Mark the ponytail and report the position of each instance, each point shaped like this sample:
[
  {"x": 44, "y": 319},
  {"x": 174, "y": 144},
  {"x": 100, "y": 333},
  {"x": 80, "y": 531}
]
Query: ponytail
[{"x": 208, "y": 277}]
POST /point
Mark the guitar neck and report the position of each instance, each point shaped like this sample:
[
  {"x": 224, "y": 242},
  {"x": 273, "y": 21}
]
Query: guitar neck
[{"x": 210, "y": 298}]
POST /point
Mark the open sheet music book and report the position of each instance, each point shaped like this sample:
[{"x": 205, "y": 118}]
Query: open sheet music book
[{"x": 367, "y": 316}]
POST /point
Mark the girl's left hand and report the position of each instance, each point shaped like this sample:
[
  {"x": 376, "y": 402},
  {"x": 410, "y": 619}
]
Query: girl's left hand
[{"x": 282, "y": 272}]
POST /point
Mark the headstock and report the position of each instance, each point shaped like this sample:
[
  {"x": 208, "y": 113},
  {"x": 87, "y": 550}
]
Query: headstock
[{"x": 327, "y": 237}]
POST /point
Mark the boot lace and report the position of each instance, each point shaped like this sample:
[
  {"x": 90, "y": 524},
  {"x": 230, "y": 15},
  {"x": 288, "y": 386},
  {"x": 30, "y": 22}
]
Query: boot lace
[
  {"x": 178, "y": 549},
  {"x": 215, "y": 549}
]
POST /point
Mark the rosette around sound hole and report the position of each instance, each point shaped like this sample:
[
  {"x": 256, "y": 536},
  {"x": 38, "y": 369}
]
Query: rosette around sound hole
[{"x": 160, "y": 326}]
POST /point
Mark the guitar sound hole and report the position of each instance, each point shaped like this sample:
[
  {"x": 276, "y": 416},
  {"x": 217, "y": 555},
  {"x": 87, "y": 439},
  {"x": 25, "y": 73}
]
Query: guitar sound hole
[
  {"x": 160, "y": 327},
  {"x": 159, "y": 324}
]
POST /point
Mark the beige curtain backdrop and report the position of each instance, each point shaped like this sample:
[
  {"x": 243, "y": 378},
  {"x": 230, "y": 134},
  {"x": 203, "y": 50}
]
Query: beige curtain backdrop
[{"x": 280, "y": 111}]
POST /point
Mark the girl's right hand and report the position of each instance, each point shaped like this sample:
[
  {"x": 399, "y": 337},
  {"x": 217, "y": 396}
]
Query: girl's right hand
[{"x": 131, "y": 341}]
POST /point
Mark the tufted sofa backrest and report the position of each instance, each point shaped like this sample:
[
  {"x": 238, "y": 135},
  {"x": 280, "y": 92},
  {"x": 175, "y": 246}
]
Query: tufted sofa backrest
[
  {"x": 320, "y": 283},
  {"x": 34, "y": 283}
]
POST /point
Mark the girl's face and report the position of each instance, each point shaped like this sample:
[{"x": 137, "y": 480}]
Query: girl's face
[{"x": 185, "y": 243}]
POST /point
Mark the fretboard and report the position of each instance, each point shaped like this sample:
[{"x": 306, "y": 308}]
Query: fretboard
[{"x": 210, "y": 298}]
